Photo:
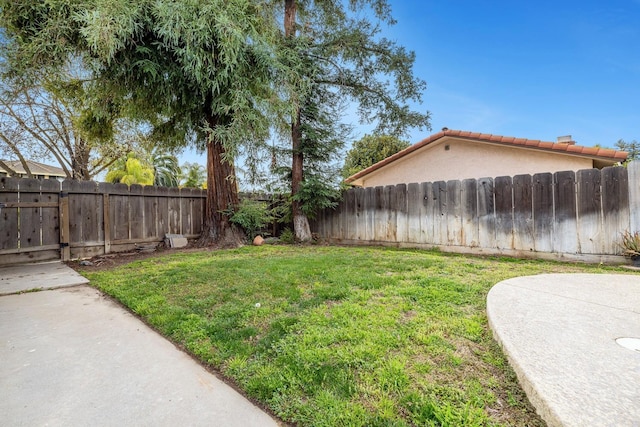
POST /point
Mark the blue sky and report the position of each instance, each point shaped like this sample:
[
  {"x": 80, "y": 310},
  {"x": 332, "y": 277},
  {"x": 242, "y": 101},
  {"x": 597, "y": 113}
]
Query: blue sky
[
  {"x": 527, "y": 69},
  {"x": 534, "y": 70}
]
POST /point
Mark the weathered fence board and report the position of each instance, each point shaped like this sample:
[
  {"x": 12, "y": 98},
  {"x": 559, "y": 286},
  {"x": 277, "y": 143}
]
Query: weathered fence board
[
  {"x": 615, "y": 203},
  {"x": 29, "y": 217},
  {"x": 486, "y": 214},
  {"x": 469, "y": 203},
  {"x": 359, "y": 214},
  {"x": 543, "y": 212},
  {"x": 523, "y": 238},
  {"x": 400, "y": 204},
  {"x": 428, "y": 213},
  {"x": 9, "y": 216},
  {"x": 414, "y": 202},
  {"x": 589, "y": 211},
  {"x": 136, "y": 212},
  {"x": 565, "y": 213},
  {"x": 46, "y": 219},
  {"x": 50, "y": 215},
  {"x": 564, "y": 200},
  {"x": 503, "y": 194},
  {"x": 392, "y": 213},
  {"x": 454, "y": 213},
  {"x": 440, "y": 206},
  {"x": 633, "y": 169}
]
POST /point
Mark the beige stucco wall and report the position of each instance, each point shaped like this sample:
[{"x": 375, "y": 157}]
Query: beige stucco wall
[{"x": 466, "y": 159}]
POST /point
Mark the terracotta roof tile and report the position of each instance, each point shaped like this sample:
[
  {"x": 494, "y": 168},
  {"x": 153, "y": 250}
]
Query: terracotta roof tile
[{"x": 601, "y": 153}]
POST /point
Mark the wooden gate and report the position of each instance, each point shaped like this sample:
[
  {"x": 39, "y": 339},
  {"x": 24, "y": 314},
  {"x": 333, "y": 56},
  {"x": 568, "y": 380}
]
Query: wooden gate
[{"x": 30, "y": 212}]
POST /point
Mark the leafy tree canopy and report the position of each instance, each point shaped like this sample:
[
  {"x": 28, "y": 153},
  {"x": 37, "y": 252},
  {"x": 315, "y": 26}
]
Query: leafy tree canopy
[
  {"x": 199, "y": 72},
  {"x": 369, "y": 150},
  {"x": 131, "y": 170},
  {"x": 633, "y": 148}
]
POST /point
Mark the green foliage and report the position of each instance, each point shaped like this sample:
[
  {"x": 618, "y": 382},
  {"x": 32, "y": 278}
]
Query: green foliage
[
  {"x": 166, "y": 169},
  {"x": 315, "y": 195},
  {"x": 287, "y": 236},
  {"x": 197, "y": 72},
  {"x": 633, "y": 148},
  {"x": 342, "y": 336},
  {"x": 193, "y": 175},
  {"x": 630, "y": 244},
  {"x": 252, "y": 216},
  {"x": 130, "y": 171},
  {"x": 369, "y": 150}
]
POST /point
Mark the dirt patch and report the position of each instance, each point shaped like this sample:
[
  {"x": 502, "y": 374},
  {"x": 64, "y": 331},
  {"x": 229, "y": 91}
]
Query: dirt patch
[{"x": 113, "y": 260}]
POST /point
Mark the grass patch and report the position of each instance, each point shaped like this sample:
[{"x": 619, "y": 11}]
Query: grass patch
[{"x": 335, "y": 336}]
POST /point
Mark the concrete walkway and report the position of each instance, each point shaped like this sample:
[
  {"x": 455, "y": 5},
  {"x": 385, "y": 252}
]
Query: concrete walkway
[
  {"x": 73, "y": 357},
  {"x": 45, "y": 275},
  {"x": 563, "y": 335}
]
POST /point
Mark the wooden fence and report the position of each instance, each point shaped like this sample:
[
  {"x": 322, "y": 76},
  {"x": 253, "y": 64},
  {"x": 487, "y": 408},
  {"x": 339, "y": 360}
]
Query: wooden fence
[
  {"x": 46, "y": 219},
  {"x": 576, "y": 215}
]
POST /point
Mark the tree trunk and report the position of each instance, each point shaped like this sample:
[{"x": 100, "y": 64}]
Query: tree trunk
[
  {"x": 222, "y": 194},
  {"x": 300, "y": 220}
]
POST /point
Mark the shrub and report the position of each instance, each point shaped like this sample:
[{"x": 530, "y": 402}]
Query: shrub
[
  {"x": 631, "y": 244},
  {"x": 252, "y": 216},
  {"x": 287, "y": 236}
]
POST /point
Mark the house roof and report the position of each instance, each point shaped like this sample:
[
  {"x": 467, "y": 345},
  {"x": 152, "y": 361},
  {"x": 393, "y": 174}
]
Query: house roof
[
  {"x": 510, "y": 141},
  {"x": 35, "y": 167}
]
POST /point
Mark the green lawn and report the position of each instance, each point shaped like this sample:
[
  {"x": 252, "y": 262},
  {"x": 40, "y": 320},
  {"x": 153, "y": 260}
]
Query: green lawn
[{"x": 336, "y": 336}]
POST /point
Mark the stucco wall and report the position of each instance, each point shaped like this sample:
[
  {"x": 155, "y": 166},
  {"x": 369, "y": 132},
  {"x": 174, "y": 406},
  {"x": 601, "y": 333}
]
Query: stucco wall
[{"x": 465, "y": 159}]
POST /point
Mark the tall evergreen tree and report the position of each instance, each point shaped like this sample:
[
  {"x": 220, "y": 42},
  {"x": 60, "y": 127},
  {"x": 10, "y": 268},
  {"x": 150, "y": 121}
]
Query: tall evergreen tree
[
  {"x": 348, "y": 57},
  {"x": 197, "y": 71}
]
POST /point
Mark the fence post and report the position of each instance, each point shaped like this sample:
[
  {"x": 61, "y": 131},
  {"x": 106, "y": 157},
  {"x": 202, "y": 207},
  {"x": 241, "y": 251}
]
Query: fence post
[
  {"x": 633, "y": 169},
  {"x": 107, "y": 223},
  {"x": 65, "y": 250}
]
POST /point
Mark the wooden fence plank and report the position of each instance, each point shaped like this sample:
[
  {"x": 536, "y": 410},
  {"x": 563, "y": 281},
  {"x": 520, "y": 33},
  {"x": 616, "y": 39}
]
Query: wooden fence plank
[
  {"x": 389, "y": 200},
  {"x": 565, "y": 235},
  {"x": 633, "y": 171},
  {"x": 615, "y": 206},
  {"x": 428, "y": 213},
  {"x": 414, "y": 202},
  {"x": 589, "y": 211},
  {"x": 503, "y": 196},
  {"x": 50, "y": 215},
  {"x": 29, "y": 217},
  {"x": 359, "y": 213},
  {"x": 369, "y": 213},
  {"x": 175, "y": 222},
  {"x": 186, "y": 214},
  {"x": 523, "y": 237},
  {"x": 454, "y": 213},
  {"x": 380, "y": 216},
  {"x": 136, "y": 212},
  {"x": 163, "y": 211},
  {"x": 400, "y": 205},
  {"x": 92, "y": 212},
  {"x": 469, "y": 203},
  {"x": 350, "y": 222},
  {"x": 486, "y": 214},
  {"x": 543, "y": 212},
  {"x": 440, "y": 212},
  {"x": 336, "y": 221},
  {"x": 199, "y": 206},
  {"x": 150, "y": 212},
  {"x": 119, "y": 212}
]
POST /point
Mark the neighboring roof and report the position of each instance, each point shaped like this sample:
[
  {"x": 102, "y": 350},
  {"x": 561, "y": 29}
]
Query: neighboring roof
[
  {"x": 35, "y": 167},
  {"x": 534, "y": 144}
]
